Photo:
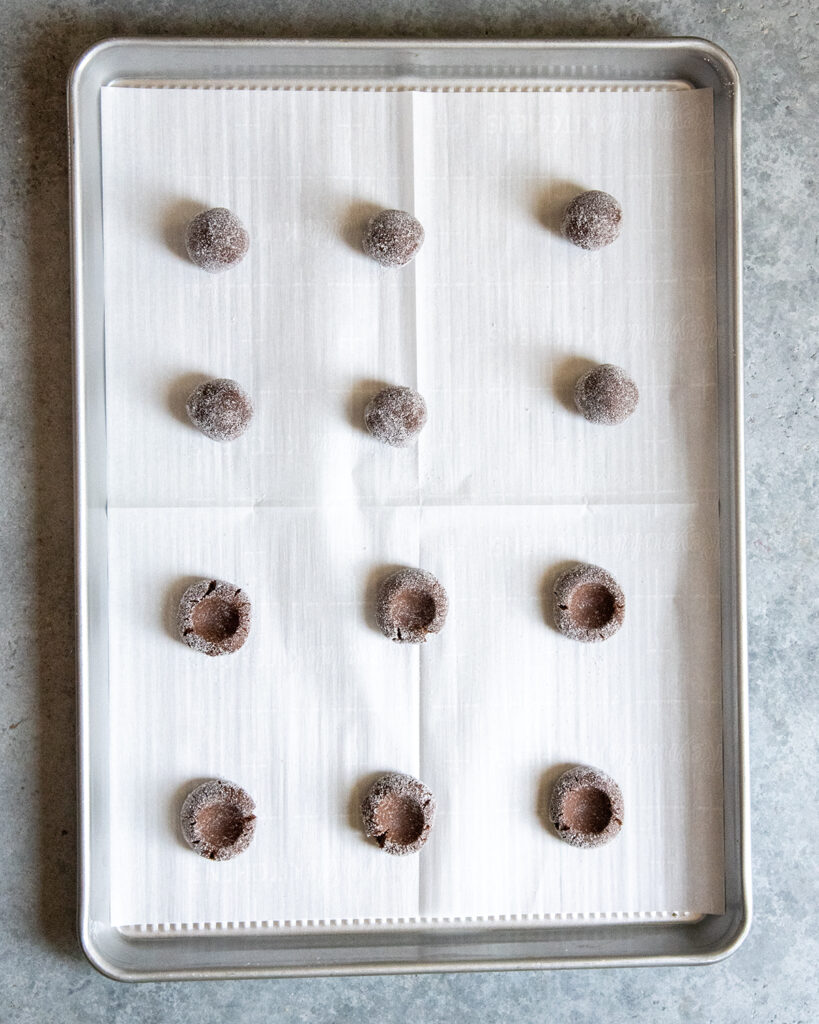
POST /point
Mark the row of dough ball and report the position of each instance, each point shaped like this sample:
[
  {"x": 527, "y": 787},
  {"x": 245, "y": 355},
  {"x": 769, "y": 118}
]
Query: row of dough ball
[
  {"x": 217, "y": 240},
  {"x": 214, "y": 616},
  {"x": 222, "y": 410},
  {"x": 398, "y": 813}
]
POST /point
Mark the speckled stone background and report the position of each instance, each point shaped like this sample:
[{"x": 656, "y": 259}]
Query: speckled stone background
[{"x": 43, "y": 976}]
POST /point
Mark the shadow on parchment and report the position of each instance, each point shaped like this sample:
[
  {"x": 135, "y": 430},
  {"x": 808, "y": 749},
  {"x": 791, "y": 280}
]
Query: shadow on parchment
[{"x": 544, "y": 794}]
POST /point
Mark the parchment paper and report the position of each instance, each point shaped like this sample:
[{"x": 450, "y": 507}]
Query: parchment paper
[{"x": 493, "y": 323}]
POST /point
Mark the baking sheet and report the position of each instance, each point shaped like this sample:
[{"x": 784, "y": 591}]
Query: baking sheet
[{"x": 492, "y": 323}]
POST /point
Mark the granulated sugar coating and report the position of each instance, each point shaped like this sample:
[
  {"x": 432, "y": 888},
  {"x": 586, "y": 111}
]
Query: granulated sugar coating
[
  {"x": 216, "y": 240},
  {"x": 586, "y": 807},
  {"x": 412, "y": 604},
  {"x": 393, "y": 237},
  {"x": 217, "y": 820},
  {"x": 396, "y": 416},
  {"x": 592, "y": 220},
  {"x": 398, "y": 812},
  {"x": 221, "y": 409},
  {"x": 589, "y": 604},
  {"x": 606, "y": 394},
  {"x": 214, "y": 617}
]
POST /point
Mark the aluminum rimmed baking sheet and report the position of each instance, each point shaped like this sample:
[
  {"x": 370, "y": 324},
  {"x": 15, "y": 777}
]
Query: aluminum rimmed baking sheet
[{"x": 127, "y": 510}]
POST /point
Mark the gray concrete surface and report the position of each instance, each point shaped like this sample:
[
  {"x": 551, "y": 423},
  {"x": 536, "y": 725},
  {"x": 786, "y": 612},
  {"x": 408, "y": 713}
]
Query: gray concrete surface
[{"x": 43, "y": 976}]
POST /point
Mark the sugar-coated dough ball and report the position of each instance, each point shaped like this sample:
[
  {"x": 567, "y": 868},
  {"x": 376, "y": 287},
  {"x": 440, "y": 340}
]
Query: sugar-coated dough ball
[
  {"x": 216, "y": 240},
  {"x": 586, "y": 807},
  {"x": 393, "y": 237},
  {"x": 396, "y": 416},
  {"x": 220, "y": 408},
  {"x": 214, "y": 617},
  {"x": 412, "y": 605},
  {"x": 398, "y": 812},
  {"x": 592, "y": 220},
  {"x": 606, "y": 394},
  {"x": 589, "y": 603},
  {"x": 217, "y": 820}
]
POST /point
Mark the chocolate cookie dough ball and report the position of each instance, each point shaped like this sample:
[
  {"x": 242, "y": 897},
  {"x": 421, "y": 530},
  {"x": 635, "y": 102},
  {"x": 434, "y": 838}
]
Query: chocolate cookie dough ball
[
  {"x": 214, "y": 617},
  {"x": 216, "y": 240},
  {"x": 217, "y": 820},
  {"x": 220, "y": 408},
  {"x": 412, "y": 604},
  {"x": 393, "y": 238},
  {"x": 589, "y": 604},
  {"x": 398, "y": 812},
  {"x": 586, "y": 807},
  {"x": 396, "y": 416},
  {"x": 592, "y": 220},
  {"x": 606, "y": 394}
]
